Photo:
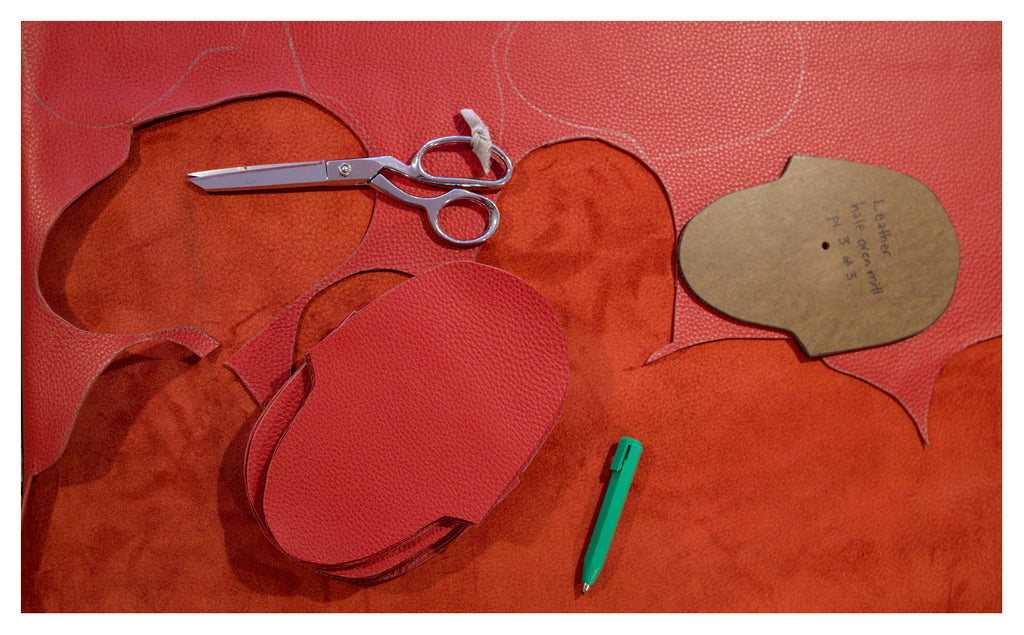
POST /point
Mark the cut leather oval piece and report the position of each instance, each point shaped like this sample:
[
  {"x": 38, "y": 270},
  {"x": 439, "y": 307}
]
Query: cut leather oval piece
[
  {"x": 277, "y": 415},
  {"x": 426, "y": 404},
  {"x": 267, "y": 431},
  {"x": 842, "y": 255}
]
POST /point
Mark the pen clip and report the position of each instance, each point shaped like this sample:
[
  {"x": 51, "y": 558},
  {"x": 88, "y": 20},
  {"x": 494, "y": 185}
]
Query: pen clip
[{"x": 622, "y": 452}]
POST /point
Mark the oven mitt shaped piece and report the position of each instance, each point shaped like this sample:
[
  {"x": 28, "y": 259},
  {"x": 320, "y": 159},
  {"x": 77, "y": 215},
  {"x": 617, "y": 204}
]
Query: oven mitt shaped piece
[
  {"x": 263, "y": 438},
  {"x": 842, "y": 255},
  {"x": 411, "y": 421}
]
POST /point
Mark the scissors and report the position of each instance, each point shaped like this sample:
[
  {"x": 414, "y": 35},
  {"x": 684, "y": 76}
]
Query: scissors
[{"x": 370, "y": 171}]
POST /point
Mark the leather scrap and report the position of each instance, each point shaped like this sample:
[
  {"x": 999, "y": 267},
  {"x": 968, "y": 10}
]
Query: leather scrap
[
  {"x": 408, "y": 423},
  {"x": 81, "y": 100}
]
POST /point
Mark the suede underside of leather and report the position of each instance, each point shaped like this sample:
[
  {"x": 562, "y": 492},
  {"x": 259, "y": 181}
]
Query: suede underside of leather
[{"x": 769, "y": 482}]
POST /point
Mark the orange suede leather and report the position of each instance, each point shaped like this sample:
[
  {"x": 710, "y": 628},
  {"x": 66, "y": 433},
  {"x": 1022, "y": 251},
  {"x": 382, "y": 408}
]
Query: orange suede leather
[{"x": 768, "y": 482}]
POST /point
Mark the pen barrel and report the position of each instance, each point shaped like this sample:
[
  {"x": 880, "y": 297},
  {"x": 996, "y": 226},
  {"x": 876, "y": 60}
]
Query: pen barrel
[{"x": 623, "y": 468}]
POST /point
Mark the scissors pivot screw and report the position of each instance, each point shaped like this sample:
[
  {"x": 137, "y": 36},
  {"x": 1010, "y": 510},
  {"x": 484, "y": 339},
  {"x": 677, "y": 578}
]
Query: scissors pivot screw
[{"x": 345, "y": 169}]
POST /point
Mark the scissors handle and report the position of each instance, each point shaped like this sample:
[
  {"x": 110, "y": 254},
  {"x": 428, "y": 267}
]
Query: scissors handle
[
  {"x": 417, "y": 172},
  {"x": 433, "y": 207}
]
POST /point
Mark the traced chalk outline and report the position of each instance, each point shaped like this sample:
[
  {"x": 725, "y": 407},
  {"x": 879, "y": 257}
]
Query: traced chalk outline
[
  {"x": 639, "y": 148},
  {"x": 134, "y": 116},
  {"x": 497, "y": 77},
  {"x": 295, "y": 57},
  {"x": 785, "y": 115},
  {"x": 352, "y": 121},
  {"x": 508, "y": 76}
]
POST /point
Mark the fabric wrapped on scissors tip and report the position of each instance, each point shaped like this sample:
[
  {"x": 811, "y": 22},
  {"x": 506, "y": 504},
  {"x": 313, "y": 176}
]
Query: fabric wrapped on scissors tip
[{"x": 408, "y": 422}]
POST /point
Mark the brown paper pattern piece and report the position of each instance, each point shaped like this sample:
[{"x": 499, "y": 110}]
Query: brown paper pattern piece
[{"x": 842, "y": 255}]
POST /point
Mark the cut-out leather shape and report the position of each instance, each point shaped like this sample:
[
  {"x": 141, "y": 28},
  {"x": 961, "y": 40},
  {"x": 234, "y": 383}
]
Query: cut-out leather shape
[
  {"x": 263, "y": 438},
  {"x": 842, "y": 255},
  {"x": 816, "y": 86},
  {"x": 754, "y": 451},
  {"x": 267, "y": 431},
  {"x": 741, "y": 426},
  {"x": 408, "y": 423}
]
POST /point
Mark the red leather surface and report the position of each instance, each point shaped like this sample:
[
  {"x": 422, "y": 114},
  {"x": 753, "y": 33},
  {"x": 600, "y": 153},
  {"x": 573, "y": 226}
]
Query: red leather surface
[
  {"x": 768, "y": 482},
  {"x": 776, "y": 484},
  {"x": 882, "y": 94},
  {"x": 271, "y": 425},
  {"x": 424, "y": 405},
  {"x": 789, "y": 96},
  {"x": 396, "y": 240},
  {"x": 273, "y": 421}
]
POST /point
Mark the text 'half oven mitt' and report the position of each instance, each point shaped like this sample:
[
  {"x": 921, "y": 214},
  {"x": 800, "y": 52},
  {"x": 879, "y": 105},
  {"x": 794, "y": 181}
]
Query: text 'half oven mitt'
[{"x": 408, "y": 423}]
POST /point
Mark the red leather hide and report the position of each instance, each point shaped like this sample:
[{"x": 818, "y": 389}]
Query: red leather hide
[{"x": 769, "y": 481}]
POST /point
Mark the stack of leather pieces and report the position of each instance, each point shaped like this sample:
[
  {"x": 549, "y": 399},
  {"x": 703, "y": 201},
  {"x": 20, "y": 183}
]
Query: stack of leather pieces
[{"x": 408, "y": 422}]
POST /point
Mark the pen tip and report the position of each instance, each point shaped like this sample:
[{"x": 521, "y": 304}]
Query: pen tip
[{"x": 586, "y": 587}]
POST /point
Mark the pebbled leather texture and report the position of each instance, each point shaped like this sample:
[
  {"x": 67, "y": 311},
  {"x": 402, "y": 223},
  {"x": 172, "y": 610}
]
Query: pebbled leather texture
[
  {"x": 843, "y": 103},
  {"x": 803, "y": 79},
  {"x": 395, "y": 240},
  {"x": 754, "y": 454},
  {"x": 76, "y": 124},
  {"x": 781, "y": 485},
  {"x": 425, "y": 405},
  {"x": 263, "y": 439}
]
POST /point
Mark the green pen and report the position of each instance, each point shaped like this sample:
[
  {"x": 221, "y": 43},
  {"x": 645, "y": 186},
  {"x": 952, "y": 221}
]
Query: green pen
[{"x": 623, "y": 467}]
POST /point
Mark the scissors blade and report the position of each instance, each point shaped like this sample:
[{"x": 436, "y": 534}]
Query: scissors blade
[{"x": 262, "y": 176}]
